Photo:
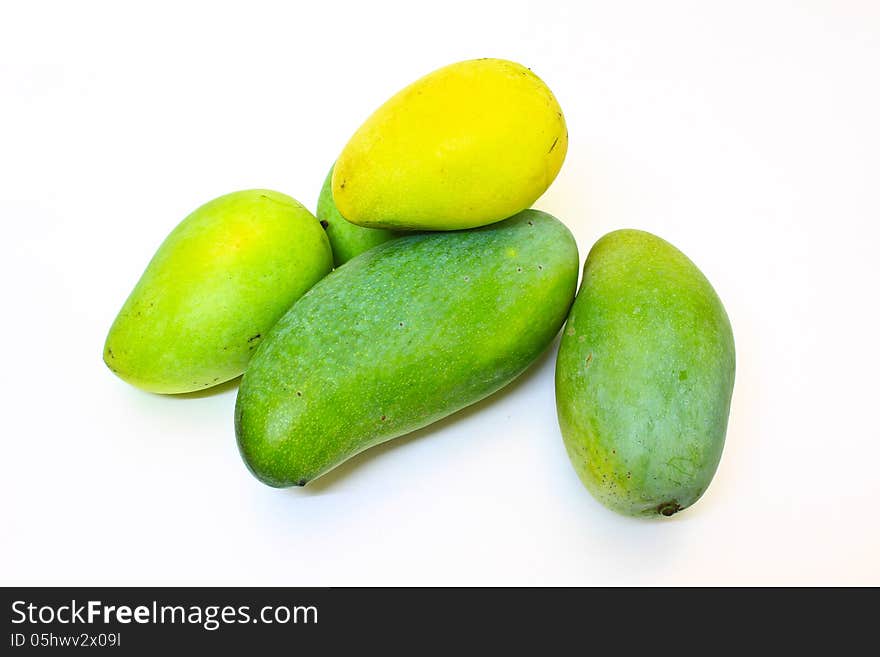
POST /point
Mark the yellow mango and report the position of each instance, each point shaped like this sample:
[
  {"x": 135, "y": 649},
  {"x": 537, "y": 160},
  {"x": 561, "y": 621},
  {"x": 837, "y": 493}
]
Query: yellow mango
[{"x": 467, "y": 145}]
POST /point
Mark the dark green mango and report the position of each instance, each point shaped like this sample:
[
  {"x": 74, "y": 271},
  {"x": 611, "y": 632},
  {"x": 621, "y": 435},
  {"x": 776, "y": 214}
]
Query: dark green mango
[{"x": 405, "y": 334}]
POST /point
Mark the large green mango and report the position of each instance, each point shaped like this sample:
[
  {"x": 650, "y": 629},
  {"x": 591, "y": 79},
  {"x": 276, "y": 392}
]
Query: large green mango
[
  {"x": 644, "y": 376},
  {"x": 214, "y": 288},
  {"x": 401, "y": 336}
]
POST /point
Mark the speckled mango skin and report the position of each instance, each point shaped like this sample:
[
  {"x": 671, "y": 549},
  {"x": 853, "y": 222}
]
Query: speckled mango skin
[
  {"x": 217, "y": 284},
  {"x": 467, "y": 145},
  {"x": 644, "y": 376},
  {"x": 401, "y": 336},
  {"x": 346, "y": 239}
]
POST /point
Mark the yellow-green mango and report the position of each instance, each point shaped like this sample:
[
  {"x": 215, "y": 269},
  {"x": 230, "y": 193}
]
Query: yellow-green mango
[
  {"x": 644, "y": 376},
  {"x": 215, "y": 287},
  {"x": 467, "y": 145},
  {"x": 399, "y": 337},
  {"x": 346, "y": 239}
]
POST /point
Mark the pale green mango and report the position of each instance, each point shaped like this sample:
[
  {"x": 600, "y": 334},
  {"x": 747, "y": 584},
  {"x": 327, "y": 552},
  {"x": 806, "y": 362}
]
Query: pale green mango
[{"x": 215, "y": 287}]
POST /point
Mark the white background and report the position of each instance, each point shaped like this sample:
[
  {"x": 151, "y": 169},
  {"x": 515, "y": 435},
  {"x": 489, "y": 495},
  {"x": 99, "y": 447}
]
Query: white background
[{"x": 746, "y": 133}]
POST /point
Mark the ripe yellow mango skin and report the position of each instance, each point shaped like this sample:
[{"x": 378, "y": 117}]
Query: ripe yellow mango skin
[
  {"x": 467, "y": 145},
  {"x": 644, "y": 376},
  {"x": 346, "y": 239},
  {"x": 217, "y": 284}
]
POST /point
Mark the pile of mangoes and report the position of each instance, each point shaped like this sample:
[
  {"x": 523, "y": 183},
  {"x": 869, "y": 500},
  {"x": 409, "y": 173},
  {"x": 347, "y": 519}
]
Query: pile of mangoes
[{"x": 424, "y": 285}]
